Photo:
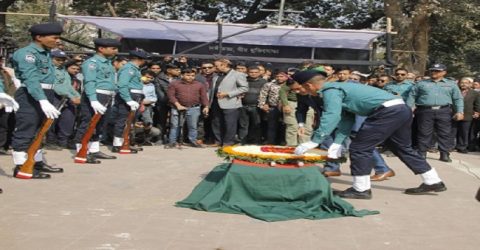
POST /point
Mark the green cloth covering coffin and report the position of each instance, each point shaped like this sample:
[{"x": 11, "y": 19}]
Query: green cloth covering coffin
[{"x": 269, "y": 194}]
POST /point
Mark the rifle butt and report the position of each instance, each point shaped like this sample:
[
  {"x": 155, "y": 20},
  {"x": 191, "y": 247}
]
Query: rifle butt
[{"x": 81, "y": 156}]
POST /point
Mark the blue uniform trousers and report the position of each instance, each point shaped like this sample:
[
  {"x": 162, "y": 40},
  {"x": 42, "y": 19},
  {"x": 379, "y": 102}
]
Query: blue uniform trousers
[
  {"x": 86, "y": 114},
  {"x": 439, "y": 120},
  {"x": 392, "y": 126},
  {"x": 28, "y": 118},
  {"x": 120, "y": 114}
]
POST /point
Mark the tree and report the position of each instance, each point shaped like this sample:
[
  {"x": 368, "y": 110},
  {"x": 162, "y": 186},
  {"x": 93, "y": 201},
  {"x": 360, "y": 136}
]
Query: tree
[{"x": 4, "y": 5}]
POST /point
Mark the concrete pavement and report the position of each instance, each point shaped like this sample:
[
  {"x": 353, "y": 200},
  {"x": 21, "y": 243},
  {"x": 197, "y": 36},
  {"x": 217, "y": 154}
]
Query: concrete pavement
[{"x": 128, "y": 204}]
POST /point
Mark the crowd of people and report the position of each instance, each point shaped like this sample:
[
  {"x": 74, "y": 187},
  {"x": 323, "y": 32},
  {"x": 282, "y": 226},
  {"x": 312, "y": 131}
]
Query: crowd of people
[{"x": 215, "y": 103}]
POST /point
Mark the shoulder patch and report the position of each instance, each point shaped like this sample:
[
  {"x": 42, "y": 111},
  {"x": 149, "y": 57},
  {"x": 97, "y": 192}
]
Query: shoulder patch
[
  {"x": 30, "y": 58},
  {"x": 92, "y": 66},
  {"x": 131, "y": 72}
]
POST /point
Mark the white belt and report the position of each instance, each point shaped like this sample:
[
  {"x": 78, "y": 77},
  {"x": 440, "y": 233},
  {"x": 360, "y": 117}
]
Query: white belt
[
  {"x": 393, "y": 103},
  {"x": 46, "y": 85},
  {"x": 136, "y": 91},
  {"x": 105, "y": 92}
]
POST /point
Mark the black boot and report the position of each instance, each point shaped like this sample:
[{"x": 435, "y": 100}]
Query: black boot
[
  {"x": 423, "y": 154},
  {"x": 424, "y": 188},
  {"x": 351, "y": 193},
  {"x": 444, "y": 156},
  {"x": 35, "y": 175},
  {"x": 101, "y": 155},
  {"x": 43, "y": 167},
  {"x": 118, "y": 149}
]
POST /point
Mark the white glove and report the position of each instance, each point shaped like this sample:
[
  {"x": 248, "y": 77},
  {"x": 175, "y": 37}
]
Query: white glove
[
  {"x": 304, "y": 147},
  {"x": 50, "y": 111},
  {"x": 98, "y": 107},
  {"x": 8, "y": 102},
  {"x": 335, "y": 151},
  {"x": 133, "y": 105}
]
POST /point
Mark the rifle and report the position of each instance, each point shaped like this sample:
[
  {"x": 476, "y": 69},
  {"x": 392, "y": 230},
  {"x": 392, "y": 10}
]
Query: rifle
[
  {"x": 125, "y": 149},
  {"x": 81, "y": 156},
  {"x": 27, "y": 166}
]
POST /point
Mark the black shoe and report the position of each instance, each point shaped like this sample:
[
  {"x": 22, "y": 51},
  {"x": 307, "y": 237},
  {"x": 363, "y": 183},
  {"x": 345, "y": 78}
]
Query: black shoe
[
  {"x": 196, "y": 145},
  {"x": 92, "y": 160},
  {"x": 147, "y": 143},
  {"x": 138, "y": 149},
  {"x": 445, "y": 157},
  {"x": 170, "y": 145},
  {"x": 118, "y": 149},
  {"x": 462, "y": 151},
  {"x": 351, "y": 193},
  {"x": 52, "y": 146},
  {"x": 424, "y": 188},
  {"x": 1, "y": 191},
  {"x": 101, "y": 155},
  {"x": 35, "y": 175},
  {"x": 423, "y": 154},
  {"x": 43, "y": 167}
]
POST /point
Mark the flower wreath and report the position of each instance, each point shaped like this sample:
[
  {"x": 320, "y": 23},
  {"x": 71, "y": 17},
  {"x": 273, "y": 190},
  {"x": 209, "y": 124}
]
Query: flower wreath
[{"x": 272, "y": 154}]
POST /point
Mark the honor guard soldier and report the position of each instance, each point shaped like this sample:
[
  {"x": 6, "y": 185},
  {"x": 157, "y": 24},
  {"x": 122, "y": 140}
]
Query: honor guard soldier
[
  {"x": 9, "y": 104},
  {"x": 388, "y": 120},
  {"x": 436, "y": 101},
  {"x": 34, "y": 68},
  {"x": 58, "y": 136},
  {"x": 100, "y": 88},
  {"x": 129, "y": 97}
]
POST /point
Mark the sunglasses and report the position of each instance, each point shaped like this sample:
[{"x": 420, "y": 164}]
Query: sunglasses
[{"x": 400, "y": 74}]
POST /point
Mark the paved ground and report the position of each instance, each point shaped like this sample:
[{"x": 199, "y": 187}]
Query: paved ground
[{"x": 128, "y": 204}]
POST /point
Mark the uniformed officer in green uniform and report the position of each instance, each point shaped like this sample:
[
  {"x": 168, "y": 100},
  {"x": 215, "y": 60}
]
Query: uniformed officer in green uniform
[
  {"x": 61, "y": 130},
  {"x": 388, "y": 120},
  {"x": 100, "y": 88},
  {"x": 436, "y": 101},
  {"x": 34, "y": 68},
  {"x": 401, "y": 86},
  {"x": 9, "y": 104},
  {"x": 129, "y": 97}
]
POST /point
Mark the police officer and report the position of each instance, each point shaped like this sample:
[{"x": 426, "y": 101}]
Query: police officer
[
  {"x": 9, "y": 104},
  {"x": 436, "y": 100},
  {"x": 388, "y": 119},
  {"x": 34, "y": 68},
  {"x": 63, "y": 88},
  {"x": 129, "y": 97},
  {"x": 401, "y": 86},
  {"x": 99, "y": 86}
]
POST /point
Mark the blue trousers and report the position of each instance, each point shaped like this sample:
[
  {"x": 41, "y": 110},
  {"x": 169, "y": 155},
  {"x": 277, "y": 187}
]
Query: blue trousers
[
  {"x": 176, "y": 123},
  {"x": 391, "y": 125}
]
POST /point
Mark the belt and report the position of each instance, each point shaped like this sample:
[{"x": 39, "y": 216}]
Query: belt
[
  {"x": 194, "y": 106},
  {"x": 43, "y": 85},
  {"x": 434, "y": 107},
  {"x": 105, "y": 92},
  {"x": 393, "y": 102},
  {"x": 136, "y": 91}
]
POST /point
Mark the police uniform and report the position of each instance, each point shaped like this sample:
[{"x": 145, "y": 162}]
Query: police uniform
[
  {"x": 99, "y": 87},
  {"x": 435, "y": 103},
  {"x": 388, "y": 120},
  {"x": 63, "y": 88},
  {"x": 130, "y": 91},
  {"x": 34, "y": 68},
  {"x": 399, "y": 88}
]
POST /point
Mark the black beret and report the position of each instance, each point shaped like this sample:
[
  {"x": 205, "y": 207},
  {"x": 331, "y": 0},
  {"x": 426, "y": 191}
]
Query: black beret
[
  {"x": 58, "y": 53},
  {"x": 106, "y": 42},
  {"x": 305, "y": 76},
  {"x": 45, "y": 29},
  {"x": 140, "y": 54}
]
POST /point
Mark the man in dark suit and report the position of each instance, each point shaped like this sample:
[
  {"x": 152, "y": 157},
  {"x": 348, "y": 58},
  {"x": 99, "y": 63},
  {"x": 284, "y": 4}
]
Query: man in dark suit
[
  {"x": 225, "y": 101},
  {"x": 461, "y": 129}
]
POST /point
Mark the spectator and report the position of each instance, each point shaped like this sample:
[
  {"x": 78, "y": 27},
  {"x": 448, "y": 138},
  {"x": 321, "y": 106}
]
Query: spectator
[
  {"x": 401, "y": 85},
  {"x": 7, "y": 118},
  {"x": 186, "y": 96},
  {"x": 383, "y": 80},
  {"x": 150, "y": 97},
  {"x": 249, "y": 130},
  {"x": 241, "y": 67},
  {"x": 206, "y": 75}
]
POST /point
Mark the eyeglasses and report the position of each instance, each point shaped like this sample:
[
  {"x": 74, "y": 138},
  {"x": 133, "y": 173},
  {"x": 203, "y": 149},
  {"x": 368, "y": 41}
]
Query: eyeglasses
[
  {"x": 400, "y": 74},
  {"x": 207, "y": 67}
]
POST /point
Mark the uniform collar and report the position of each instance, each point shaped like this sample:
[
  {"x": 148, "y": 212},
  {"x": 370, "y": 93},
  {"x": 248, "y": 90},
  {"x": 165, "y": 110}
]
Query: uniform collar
[
  {"x": 100, "y": 58},
  {"x": 36, "y": 47},
  {"x": 133, "y": 65}
]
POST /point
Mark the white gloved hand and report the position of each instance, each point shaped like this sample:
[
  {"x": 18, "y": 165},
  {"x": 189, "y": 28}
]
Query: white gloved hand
[
  {"x": 335, "y": 151},
  {"x": 133, "y": 105},
  {"x": 304, "y": 147},
  {"x": 50, "y": 111},
  {"x": 98, "y": 107},
  {"x": 8, "y": 102}
]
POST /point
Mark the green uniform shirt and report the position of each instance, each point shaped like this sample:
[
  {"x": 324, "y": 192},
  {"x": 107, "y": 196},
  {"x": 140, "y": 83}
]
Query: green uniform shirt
[
  {"x": 401, "y": 89},
  {"x": 286, "y": 95},
  {"x": 341, "y": 102},
  {"x": 33, "y": 66},
  {"x": 98, "y": 73},
  {"x": 129, "y": 78},
  {"x": 440, "y": 93},
  {"x": 63, "y": 84}
]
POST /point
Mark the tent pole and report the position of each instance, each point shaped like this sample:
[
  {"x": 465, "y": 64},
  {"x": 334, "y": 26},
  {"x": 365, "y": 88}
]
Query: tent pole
[
  {"x": 312, "y": 56},
  {"x": 220, "y": 34},
  {"x": 174, "y": 50}
]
